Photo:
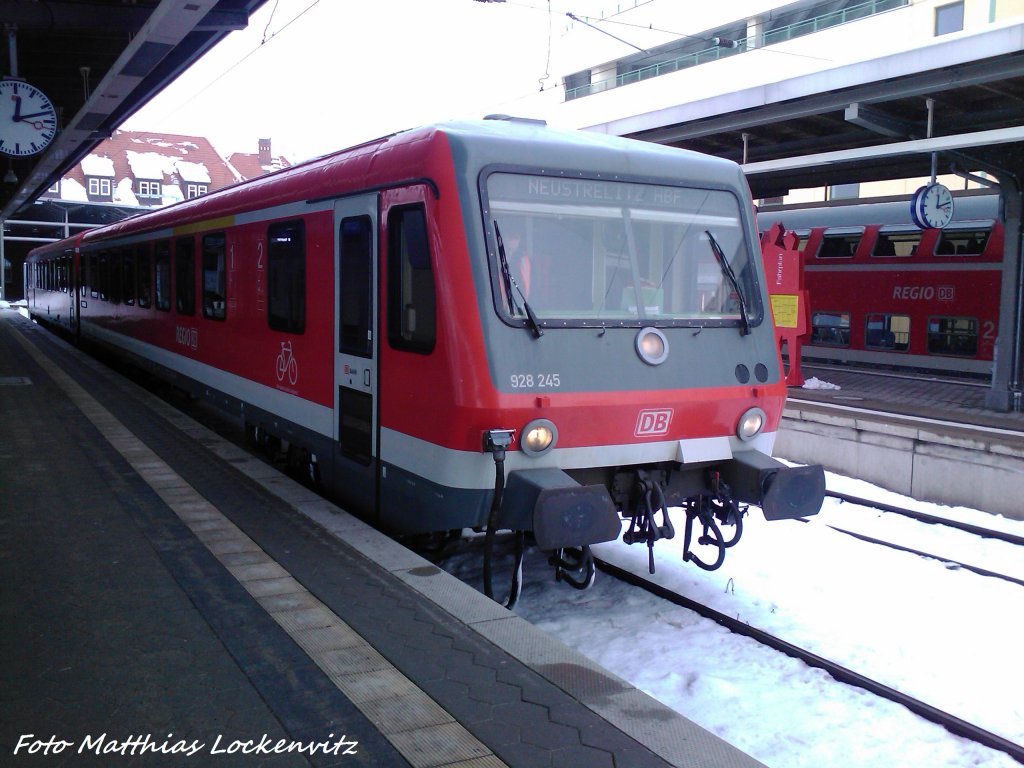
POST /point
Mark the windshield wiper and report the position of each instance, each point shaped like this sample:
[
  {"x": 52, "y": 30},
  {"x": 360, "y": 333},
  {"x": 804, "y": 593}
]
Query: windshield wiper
[
  {"x": 509, "y": 283},
  {"x": 727, "y": 271}
]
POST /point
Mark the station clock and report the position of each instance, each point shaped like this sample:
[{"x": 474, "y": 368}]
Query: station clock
[
  {"x": 932, "y": 206},
  {"x": 28, "y": 120}
]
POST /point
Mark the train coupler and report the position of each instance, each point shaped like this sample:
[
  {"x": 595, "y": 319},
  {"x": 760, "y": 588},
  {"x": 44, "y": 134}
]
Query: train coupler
[
  {"x": 714, "y": 510},
  {"x": 575, "y": 566},
  {"x": 642, "y": 525}
]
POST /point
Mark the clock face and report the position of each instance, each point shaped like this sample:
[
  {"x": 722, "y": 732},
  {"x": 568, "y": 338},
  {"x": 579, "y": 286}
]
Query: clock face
[
  {"x": 28, "y": 121},
  {"x": 932, "y": 206}
]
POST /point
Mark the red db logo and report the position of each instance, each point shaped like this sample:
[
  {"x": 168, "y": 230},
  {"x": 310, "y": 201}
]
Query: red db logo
[{"x": 653, "y": 422}]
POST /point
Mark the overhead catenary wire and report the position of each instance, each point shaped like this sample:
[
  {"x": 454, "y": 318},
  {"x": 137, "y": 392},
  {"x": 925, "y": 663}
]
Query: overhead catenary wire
[{"x": 259, "y": 47}]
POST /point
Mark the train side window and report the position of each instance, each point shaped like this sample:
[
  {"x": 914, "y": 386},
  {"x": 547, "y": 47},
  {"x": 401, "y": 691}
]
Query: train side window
[
  {"x": 885, "y": 331},
  {"x": 355, "y": 317},
  {"x": 162, "y": 274},
  {"x": 104, "y": 275},
  {"x": 286, "y": 276},
  {"x": 962, "y": 242},
  {"x": 128, "y": 277},
  {"x": 214, "y": 277},
  {"x": 185, "y": 276},
  {"x": 839, "y": 246},
  {"x": 94, "y": 275},
  {"x": 412, "y": 310},
  {"x": 831, "y": 329},
  {"x": 957, "y": 336},
  {"x": 114, "y": 277},
  {"x": 896, "y": 244},
  {"x": 144, "y": 274}
]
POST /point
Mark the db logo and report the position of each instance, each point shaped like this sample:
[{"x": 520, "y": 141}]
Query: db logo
[{"x": 653, "y": 422}]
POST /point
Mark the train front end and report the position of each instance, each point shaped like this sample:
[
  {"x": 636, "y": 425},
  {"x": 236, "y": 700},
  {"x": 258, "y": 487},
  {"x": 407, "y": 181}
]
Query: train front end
[{"x": 630, "y": 347}]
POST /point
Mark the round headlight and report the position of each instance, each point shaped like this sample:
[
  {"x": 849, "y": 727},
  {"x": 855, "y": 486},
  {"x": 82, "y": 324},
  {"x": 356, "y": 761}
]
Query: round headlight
[
  {"x": 652, "y": 346},
  {"x": 750, "y": 424},
  {"x": 538, "y": 437}
]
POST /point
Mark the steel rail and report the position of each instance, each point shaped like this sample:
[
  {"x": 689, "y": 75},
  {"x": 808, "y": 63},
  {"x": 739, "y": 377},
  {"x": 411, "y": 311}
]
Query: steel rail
[
  {"x": 920, "y": 553},
  {"x": 950, "y": 722},
  {"x": 924, "y": 517}
]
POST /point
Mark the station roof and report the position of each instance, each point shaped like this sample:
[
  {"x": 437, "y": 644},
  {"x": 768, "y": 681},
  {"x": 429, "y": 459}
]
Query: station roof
[
  {"x": 865, "y": 121},
  {"x": 99, "y": 61}
]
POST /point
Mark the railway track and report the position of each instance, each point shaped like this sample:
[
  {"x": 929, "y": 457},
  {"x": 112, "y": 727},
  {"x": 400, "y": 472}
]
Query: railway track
[
  {"x": 985, "y": 533},
  {"x": 840, "y": 673},
  {"x": 924, "y": 517}
]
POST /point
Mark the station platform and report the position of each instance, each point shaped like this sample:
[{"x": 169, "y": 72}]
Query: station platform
[
  {"x": 927, "y": 437},
  {"x": 910, "y": 394},
  {"x": 170, "y": 600}
]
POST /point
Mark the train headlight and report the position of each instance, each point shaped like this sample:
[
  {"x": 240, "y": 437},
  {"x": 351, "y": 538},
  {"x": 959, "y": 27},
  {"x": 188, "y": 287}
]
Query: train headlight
[
  {"x": 652, "y": 346},
  {"x": 750, "y": 424},
  {"x": 538, "y": 437}
]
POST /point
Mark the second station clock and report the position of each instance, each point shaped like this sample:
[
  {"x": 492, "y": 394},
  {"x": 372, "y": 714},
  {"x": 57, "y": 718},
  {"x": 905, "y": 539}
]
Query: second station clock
[{"x": 28, "y": 120}]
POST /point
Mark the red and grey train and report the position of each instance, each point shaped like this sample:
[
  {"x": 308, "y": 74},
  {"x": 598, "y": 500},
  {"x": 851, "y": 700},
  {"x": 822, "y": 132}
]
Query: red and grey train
[
  {"x": 884, "y": 292},
  {"x": 485, "y": 325}
]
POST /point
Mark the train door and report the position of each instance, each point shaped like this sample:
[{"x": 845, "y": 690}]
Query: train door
[{"x": 355, "y": 359}]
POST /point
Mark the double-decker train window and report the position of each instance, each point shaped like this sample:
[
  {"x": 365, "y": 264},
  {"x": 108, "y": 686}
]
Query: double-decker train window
[
  {"x": 286, "y": 276},
  {"x": 355, "y": 316},
  {"x": 412, "y": 307},
  {"x": 185, "y": 276},
  {"x": 956, "y": 336},
  {"x": 162, "y": 275},
  {"x": 831, "y": 329},
  {"x": 885, "y": 331},
  {"x": 962, "y": 242},
  {"x": 215, "y": 289},
  {"x": 896, "y": 244},
  {"x": 144, "y": 274},
  {"x": 839, "y": 245}
]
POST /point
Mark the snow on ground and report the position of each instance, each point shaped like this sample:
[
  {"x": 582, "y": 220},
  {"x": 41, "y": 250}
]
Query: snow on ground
[{"x": 932, "y": 630}]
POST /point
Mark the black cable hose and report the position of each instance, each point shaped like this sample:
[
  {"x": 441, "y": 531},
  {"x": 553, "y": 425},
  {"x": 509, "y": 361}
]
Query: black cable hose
[{"x": 492, "y": 523}]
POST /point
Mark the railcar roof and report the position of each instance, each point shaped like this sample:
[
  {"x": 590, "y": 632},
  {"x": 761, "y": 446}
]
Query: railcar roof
[{"x": 475, "y": 143}]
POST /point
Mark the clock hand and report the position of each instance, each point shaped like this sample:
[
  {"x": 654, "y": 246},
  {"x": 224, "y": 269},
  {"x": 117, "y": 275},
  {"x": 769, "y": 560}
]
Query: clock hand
[
  {"x": 17, "y": 109},
  {"x": 34, "y": 114}
]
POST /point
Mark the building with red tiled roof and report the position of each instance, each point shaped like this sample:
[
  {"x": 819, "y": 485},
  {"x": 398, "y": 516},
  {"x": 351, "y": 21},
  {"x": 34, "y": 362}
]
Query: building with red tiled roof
[
  {"x": 251, "y": 166},
  {"x": 146, "y": 169}
]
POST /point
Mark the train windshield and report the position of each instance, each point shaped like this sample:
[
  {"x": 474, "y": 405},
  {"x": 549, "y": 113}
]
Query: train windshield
[{"x": 592, "y": 253}]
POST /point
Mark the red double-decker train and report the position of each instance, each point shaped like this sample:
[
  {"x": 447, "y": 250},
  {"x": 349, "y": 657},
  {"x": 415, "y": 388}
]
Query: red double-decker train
[
  {"x": 486, "y": 325},
  {"x": 884, "y": 292}
]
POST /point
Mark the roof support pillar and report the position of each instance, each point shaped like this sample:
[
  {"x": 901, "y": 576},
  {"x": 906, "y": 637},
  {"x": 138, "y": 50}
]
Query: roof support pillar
[{"x": 1007, "y": 390}]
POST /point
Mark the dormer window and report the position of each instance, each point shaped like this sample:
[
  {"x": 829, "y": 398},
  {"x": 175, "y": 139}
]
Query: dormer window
[
  {"x": 99, "y": 186},
  {"x": 149, "y": 188},
  {"x": 195, "y": 190}
]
